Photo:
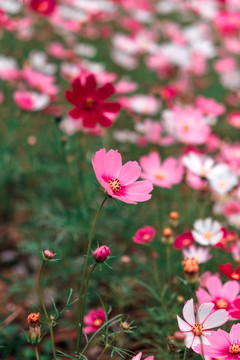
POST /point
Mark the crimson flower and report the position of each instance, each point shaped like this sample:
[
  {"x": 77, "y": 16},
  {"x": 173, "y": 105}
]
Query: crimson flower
[
  {"x": 227, "y": 270},
  {"x": 90, "y": 103},
  {"x": 44, "y": 7}
]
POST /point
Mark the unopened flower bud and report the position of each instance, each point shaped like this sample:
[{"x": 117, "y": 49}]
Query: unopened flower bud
[
  {"x": 167, "y": 237},
  {"x": 179, "y": 336},
  {"x": 125, "y": 325},
  {"x": 101, "y": 254},
  {"x": 48, "y": 255},
  {"x": 191, "y": 269},
  {"x": 173, "y": 218},
  {"x": 33, "y": 319},
  {"x": 34, "y": 329}
]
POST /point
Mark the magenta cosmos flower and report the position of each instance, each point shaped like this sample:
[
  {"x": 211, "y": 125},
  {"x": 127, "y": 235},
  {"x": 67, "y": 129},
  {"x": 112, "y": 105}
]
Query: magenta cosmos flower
[
  {"x": 90, "y": 104},
  {"x": 196, "y": 326},
  {"x": 94, "y": 320},
  {"x": 222, "y": 296},
  {"x": 139, "y": 356},
  {"x": 144, "y": 235},
  {"x": 119, "y": 180},
  {"x": 222, "y": 344}
]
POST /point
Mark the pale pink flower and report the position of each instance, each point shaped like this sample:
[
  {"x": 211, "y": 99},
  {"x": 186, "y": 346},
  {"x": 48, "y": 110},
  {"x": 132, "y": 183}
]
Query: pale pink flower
[
  {"x": 142, "y": 104},
  {"x": 167, "y": 174},
  {"x": 186, "y": 124},
  {"x": 42, "y": 82},
  {"x": 198, "y": 323},
  {"x": 209, "y": 107},
  {"x": 233, "y": 119},
  {"x": 30, "y": 100},
  {"x": 199, "y": 253},
  {"x": 222, "y": 345},
  {"x": 119, "y": 180},
  {"x": 144, "y": 235},
  {"x": 139, "y": 356},
  {"x": 221, "y": 295}
]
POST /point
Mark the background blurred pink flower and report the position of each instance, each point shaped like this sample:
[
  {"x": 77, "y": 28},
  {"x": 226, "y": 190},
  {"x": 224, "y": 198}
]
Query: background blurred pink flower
[
  {"x": 144, "y": 235},
  {"x": 167, "y": 174}
]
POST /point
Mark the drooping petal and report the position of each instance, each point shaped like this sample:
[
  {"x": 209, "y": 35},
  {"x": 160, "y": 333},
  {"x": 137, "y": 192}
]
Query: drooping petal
[{"x": 189, "y": 339}]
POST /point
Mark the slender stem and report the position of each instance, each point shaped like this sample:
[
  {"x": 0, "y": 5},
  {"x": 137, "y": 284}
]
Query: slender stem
[
  {"x": 168, "y": 256},
  {"x": 84, "y": 298},
  {"x": 36, "y": 352},
  {"x": 49, "y": 321},
  {"x": 185, "y": 354},
  {"x": 105, "y": 348},
  {"x": 83, "y": 290}
]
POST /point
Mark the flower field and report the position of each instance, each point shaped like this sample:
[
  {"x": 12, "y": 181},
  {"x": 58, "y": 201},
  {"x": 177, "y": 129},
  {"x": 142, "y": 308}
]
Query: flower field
[{"x": 120, "y": 179}]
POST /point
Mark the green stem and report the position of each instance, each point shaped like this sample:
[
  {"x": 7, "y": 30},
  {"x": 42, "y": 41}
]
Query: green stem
[
  {"x": 185, "y": 354},
  {"x": 168, "y": 256},
  {"x": 83, "y": 290},
  {"x": 49, "y": 321},
  {"x": 108, "y": 345},
  {"x": 36, "y": 352}
]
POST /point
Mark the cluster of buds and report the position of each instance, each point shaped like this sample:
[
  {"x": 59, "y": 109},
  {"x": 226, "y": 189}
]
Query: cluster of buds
[
  {"x": 173, "y": 218},
  {"x": 167, "y": 236},
  {"x": 34, "y": 328},
  {"x": 101, "y": 254},
  {"x": 191, "y": 269}
]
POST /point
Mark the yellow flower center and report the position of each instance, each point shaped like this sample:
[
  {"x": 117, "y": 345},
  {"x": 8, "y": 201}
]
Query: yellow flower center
[
  {"x": 235, "y": 276},
  {"x": 197, "y": 329},
  {"x": 159, "y": 175},
  {"x": 208, "y": 235},
  {"x": 97, "y": 323},
  {"x": 221, "y": 304},
  {"x": 234, "y": 349},
  {"x": 114, "y": 185}
]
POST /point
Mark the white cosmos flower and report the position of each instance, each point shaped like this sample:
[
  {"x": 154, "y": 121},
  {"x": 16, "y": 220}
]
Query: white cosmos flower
[
  {"x": 199, "y": 165},
  {"x": 196, "y": 327},
  {"x": 222, "y": 179},
  {"x": 199, "y": 253},
  {"x": 207, "y": 232}
]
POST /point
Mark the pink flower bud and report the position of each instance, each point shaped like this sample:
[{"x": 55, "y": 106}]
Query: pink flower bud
[
  {"x": 101, "y": 253},
  {"x": 48, "y": 254}
]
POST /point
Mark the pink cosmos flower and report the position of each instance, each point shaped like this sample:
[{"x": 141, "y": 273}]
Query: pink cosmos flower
[
  {"x": 167, "y": 174},
  {"x": 94, "y": 320},
  {"x": 30, "y": 100},
  {"x": 223, "y": 345},
  {"x": 142, "y": 104},
  {"x": 199, "y": 253},
  {"x": 222, "y": 296},
  {"x": 42, "y": 82},
  {"x": 209, "y": 107},
  {"x": 187, "y": 124},
  {"x": 119, "y": 180},
  {"x": 184, "y": 240},
  {"x": 196, "y": 326},
  {"x": 233, "y": 119},
  {"x": 139, "y": 356},
  {"x": 144, "y": 235}
]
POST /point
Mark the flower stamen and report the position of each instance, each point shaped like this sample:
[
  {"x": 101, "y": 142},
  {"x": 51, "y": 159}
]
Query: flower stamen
[{"x": 114, "y": 185}]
